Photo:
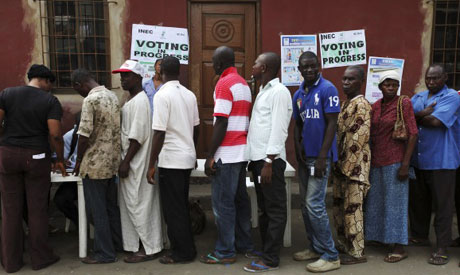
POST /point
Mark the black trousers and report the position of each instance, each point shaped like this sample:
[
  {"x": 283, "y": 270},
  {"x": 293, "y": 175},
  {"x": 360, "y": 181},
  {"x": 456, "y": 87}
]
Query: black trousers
[
  {"x": 174, "y": 187},
  {"x": 65, "y": 198},
  {"x": 271, "y": 200},
  {"x": 432, "y": 187}
]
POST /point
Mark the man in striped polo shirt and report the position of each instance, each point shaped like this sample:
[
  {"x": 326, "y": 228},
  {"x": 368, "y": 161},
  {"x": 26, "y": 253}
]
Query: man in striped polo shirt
[{"x": 226, "y": 162}]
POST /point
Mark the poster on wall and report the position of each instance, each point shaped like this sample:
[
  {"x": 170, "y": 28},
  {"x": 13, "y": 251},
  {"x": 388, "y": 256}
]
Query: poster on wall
[
  {"x": 344, "y": 48},
  {"x": 378, "y": 65},
  {"x": 292, "y": 46},
  {"x": 149, "y": 43}
]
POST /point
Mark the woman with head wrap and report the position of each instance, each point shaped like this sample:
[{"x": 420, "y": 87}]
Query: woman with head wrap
[{"x": 386, "y": 208}]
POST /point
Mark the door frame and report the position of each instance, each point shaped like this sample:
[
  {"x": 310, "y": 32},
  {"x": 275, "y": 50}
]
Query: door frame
[{"x": 189, "y": 22}]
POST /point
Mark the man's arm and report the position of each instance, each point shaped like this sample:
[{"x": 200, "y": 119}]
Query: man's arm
[
  {"x": 431, "y": 121},
  {"x": 196, "y": 134},
  {"x": 57, "y": 143},
  {"x": 218, "y": 135},
  {"x": 331, "y": 127},
  {"x": 158, "y": 141},
  {"x": 83, "y": 143},
  {"x": 299, "y": 151},
  {"x": 2, "y": 118},
  {"x": 134, "y": 146}
]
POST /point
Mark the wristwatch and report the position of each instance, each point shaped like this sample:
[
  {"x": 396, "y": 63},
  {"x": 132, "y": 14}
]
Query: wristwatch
[{"x": 268, "y": 160}]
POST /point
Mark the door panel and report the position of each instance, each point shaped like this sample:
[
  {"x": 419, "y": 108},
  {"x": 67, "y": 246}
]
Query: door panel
[{"x": 213, "y": 25}]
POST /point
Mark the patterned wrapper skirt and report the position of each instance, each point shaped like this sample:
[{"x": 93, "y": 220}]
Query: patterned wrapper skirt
[{"x": 386, "y": 206}]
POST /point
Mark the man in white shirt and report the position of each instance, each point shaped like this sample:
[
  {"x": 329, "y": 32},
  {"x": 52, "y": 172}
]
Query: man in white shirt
[
  {"x": 268, "y": 131},
  {"x": 175, "y": 126}
]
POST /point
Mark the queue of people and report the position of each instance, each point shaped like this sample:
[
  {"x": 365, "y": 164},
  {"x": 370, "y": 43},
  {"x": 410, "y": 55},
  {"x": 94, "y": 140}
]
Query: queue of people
[{"x": 135, "y": 161}]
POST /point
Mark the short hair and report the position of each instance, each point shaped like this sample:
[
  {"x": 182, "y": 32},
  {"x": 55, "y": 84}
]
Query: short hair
[
  {"x": 438, "y": 65},
  {"x": 359, "y": 70},
  {"x": 225, "y": 55},
  {"x": 40, "y": 71},
  {"x": 81, "y": 76},
  {"x": 308, "y": 55},
  {"x": 170, "y": 66},
  {"x": 272, "y": 60}
]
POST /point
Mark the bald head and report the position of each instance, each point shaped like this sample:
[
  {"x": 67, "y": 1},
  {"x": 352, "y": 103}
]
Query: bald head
[
  {"x": 272, "y": 61},
  {"x": 223, "y": 58}
]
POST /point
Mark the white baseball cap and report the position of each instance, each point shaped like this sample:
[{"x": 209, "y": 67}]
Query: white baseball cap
[{"x": 130, "y": 66}]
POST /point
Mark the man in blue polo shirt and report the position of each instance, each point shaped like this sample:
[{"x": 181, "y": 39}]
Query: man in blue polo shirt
[
  {"x": 315, "y": 109},
  {"x": 436, "y": 158}
]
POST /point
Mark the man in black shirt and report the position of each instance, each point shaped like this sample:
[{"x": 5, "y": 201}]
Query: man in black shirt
[{"x": 28, "y": 116}]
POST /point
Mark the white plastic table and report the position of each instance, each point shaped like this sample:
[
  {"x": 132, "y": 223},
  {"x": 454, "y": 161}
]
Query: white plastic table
[
  {"x": 289, "y": 174},
  {"x": 82, "y": 223}
]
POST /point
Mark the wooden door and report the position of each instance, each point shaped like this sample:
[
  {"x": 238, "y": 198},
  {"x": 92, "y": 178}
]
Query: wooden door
[{"x": 213, "y": 25}]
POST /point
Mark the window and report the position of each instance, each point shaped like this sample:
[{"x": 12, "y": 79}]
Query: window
[
  {"x": 75, "y": 34},
  {"x": 446, "y": 39}
]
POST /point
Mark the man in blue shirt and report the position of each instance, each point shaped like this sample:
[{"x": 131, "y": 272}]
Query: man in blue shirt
[
  {"x": 152, "y": 85},
  {"x": 315, "y": 110},
  {"x": 436, "y": 159}
]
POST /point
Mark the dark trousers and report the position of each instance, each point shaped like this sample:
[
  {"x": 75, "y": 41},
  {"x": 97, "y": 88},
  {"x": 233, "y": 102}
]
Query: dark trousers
[
  {"x": 65, "y": 198},
  {"x": 271, "y": 200},
  {"x": 102, "y": 208},
  {"x": 174, "y": 187},
  {"x": 21, "y": 174},
  {"x": 432, "y": 187}
]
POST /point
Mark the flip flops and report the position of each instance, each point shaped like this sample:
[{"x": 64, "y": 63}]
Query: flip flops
[
  {"x": 394, "y": 257},
  {"x": 438, "y": 259},
  {"x": 211, "y": 258},
  {"x": 259, "y": 266}
]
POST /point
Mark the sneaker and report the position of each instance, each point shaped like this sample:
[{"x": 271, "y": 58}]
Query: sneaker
[
  {"x": 305, "y": 255},
  {"x": 323, "y": 266}
]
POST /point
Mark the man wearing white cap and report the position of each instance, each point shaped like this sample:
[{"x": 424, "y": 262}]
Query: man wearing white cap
[
  {"x": 351, "y": 173},
  {"x": 139, "y": 201}
]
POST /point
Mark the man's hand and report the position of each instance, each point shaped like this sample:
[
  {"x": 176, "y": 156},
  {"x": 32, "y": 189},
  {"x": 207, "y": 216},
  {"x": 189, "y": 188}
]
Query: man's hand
[
  {"x": 403, "y": 172},
  {"x": 300, "y": 153},
  {"x": 151, "y": 175},
  {"x": 123, "y": 170},
  {"x": 61, "y": 167},
  {"x": 209, "y": 169},
  {"x": 76, "y": 169},
  {"x": 266, "y": 174},
  {"x": 320, "y": 167}
]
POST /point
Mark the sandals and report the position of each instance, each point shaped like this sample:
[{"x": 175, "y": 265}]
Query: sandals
[
  {"x": 259, "y": 266},
  {"x": 211, "y": 258},
  {"x": 346, "y": 259},
  {"x": 139, "y": 258},
  {"x": 394, "y": 257},
  {"x": 168, "y": 259},
  {"x": 438, "y": 259}
]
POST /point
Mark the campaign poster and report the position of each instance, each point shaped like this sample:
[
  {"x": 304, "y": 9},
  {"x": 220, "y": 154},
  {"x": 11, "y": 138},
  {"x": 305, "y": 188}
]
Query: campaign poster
[
  {"x": 378, "y": 65},
  {"x": 292, "y": 46},
  {"x": 344, "y": 48},
  {"x": 149, "y": 43}
]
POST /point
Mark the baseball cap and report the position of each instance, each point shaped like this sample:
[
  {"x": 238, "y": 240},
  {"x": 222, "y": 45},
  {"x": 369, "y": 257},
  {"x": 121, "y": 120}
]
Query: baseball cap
[{"x": 130, "y": 66}]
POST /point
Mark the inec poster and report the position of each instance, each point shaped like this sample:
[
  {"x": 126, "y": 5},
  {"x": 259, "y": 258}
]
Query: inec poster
[
  {"x": 292, "y": 46},
  {"x": 376, "y": 66},
  {"x": 149, "y": 43},
  {"x": 344, "y": 48}
]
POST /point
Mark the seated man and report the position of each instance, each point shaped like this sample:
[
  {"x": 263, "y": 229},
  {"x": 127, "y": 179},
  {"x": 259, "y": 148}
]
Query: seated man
[{"x": 66, "y": 194}]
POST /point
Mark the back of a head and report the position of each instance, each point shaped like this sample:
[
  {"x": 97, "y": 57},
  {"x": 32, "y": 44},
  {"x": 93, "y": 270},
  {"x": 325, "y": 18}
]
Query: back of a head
[
  {"x": 170, "y": 66},
  {"x": 273, "y": 61},
  {"x": 81, "y": 76},
  {"x": 225, "y": 55},
  {"x": 308, "y": 55},
  {"x": 40, "y": 71}
]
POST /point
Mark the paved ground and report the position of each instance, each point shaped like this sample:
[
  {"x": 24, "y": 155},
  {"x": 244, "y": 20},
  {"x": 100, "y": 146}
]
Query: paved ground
[{"x": 66, "y": 245}]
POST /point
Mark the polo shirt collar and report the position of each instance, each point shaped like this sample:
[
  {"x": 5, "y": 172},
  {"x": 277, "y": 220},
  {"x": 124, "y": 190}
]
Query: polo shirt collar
[
  {"x": 229, "y": 70},
  {"x": 302, "y": 86}
]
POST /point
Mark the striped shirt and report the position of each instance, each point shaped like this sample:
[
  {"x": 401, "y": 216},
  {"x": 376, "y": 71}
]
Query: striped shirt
[{"x": 232, "y": 99}]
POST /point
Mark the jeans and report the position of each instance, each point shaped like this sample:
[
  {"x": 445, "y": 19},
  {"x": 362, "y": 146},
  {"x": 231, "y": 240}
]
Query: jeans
[
  {"x": 313, "y": 205},
  {"x": 101, "y": 204},
  {"x": 232, "y": 209},
  {"x": 271, "y": 199}
]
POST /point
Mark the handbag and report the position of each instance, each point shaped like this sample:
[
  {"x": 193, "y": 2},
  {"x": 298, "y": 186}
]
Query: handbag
[{"x": 399, "y": 130}]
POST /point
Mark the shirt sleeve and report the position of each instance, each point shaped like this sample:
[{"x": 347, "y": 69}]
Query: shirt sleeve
[
  {"x": 161, "y": 117},
  {"x": 446, "y": 109},
  {"x": 223, "y": 100},
  {"x": 140, "y": 128},
  {"x": 409, "y": 117},
  {"x": 281, "y": 116},
  {"x": 196, "y": 115},
  {"x": 87, "y": 116},
  {"x": 55, "y": 111},
  {"x": 330, "y": 100},
  {"x": 295, "y": 107}
]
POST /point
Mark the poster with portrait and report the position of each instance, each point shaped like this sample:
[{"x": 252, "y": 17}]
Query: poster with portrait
[
  {"x": 378, "y": 65},
  {"x": 292, "y": 46}
]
